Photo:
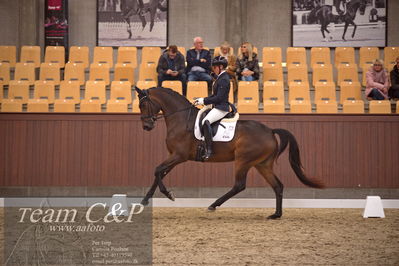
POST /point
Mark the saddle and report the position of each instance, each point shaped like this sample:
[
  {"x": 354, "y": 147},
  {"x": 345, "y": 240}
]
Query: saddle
[{"x": 222, "y": 130}]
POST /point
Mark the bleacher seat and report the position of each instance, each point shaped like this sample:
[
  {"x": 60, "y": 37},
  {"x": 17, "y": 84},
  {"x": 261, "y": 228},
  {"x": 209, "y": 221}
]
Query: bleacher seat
[
  {"x": 380, "y": 107},
  {"x": 75, "y": 72},
  {"x": 64, "y": 106},
  {"x": 148, "y": 71},
  {"x": 347, "y": 73},
  {"x": 55, "y": 55},
  {"x": 150, "y": 55},
  {"x": 127, "y": 55},
  {"x": 121, "y": 91},
  {"x": 79, "y": 55},
  {"x": 326, "y": 107},
  {"x": 4, "y": 73},
  {"x": 175, "y": 85},
  {"x": 103, "y": 55},
  {"x": 11, "y": 105},
  {"x": 95, "y": 91},
  {"x": 248, "y": 96},
  {"x": 390, "y": 55},
  {"x": 300, "y": 106},
  {"x": 69, "y": 90},
  {"x": 320, "y": 56},
  {"x": 196, "y": 89},
  {"x": 322, "y": 73},
  {"x": 365, "y": 69},
  {"x": 8, "y": 54},
  {"x": 38, "y": 106},
  {"x": 50, "y": 72},
  {"x": 100, "y": 72},
  {"x": 353, "y": 107},
  {"x": 325, "y": 91},
  {"x": 182, "y": 50},
  {"x": 271, "y": 56},
  {"x": 44, "y": 91},
  {"x": 299, "y": 91},
  {"x": 19, "y": 90},
  {"x": 273, "y": 72},
  {"x": 30, "y": 54},
  {"x": 367, "y": 55},
  {"x": 297, "y": 73},
  {"x": 124, "y": 72},
  {"x": 273, "y": 97},
  {"x": 350, "y": 90},
  {"x": 121, "y": 96},
  {"x": 90, "y": 106},
  {"x": 1, "y": 91},
  {"x": 344, "y": 55},
  {"x": 146, "y": 84},
  {"x": 296, "y": 56},
  {"x": 25, "y": 72}
]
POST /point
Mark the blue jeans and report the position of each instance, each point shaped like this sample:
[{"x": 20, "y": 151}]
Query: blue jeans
[
  {"x": 200, "y": 76},
  {"x": 247, "y": 78},
  {"x": 376, "y": 94}
]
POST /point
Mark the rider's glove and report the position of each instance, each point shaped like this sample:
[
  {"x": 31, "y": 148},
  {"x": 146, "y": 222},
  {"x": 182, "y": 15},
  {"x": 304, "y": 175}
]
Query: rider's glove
[{"x": 199, "y": 101}]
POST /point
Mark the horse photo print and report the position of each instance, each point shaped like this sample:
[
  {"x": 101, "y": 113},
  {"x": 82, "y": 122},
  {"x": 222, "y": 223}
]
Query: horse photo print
[
  {"x": 334, "y": 23},
  {"x": 132, "y": 22}
]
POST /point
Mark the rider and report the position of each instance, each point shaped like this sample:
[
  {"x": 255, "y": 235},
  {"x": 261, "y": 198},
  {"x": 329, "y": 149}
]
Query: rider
[{"x": 219, "y": 99}]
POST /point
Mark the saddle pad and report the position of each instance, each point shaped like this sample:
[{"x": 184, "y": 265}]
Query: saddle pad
[{"x": 225, "y": 131}]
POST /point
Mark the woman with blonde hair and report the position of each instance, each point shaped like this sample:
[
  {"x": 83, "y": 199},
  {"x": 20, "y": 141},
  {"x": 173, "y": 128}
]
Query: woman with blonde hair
[
  {"x": 226, "y": 51},
  {"x": 247, "y": 63},
  {"x": 377, "y": 81}
]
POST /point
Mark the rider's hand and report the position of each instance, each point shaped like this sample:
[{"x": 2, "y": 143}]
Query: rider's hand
[{"x": 199, "y": 101}]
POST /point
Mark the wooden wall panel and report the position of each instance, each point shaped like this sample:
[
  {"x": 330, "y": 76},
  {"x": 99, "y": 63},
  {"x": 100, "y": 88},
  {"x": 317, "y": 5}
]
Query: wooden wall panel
[{"x": 345, "y": 151}]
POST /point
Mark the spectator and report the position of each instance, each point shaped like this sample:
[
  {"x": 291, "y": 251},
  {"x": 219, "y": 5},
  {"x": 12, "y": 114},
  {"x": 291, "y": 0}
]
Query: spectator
[
  {"x": 199, "y": 63},
  {"x": 227, "y": 52},
  {"x": 247, "y": 63},
  {"x": 171, "y": 66},
  {"x": 394, "y": 89},
  {"x": 377, "y": 81}
]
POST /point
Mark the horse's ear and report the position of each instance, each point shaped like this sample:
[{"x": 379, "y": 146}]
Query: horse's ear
[{"x": 138, "y": 90}]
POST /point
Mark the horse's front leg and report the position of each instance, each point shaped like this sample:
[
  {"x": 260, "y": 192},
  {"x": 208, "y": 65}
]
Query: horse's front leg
[
  {"x": 354, "y": 29},
  {"x": 160, "y": 172}
]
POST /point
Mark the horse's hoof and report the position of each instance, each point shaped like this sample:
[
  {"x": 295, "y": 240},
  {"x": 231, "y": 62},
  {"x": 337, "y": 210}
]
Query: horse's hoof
[
  {"x": 171, "y": 196},
  {"x": 211, "y": 209},
  {"x": 274, "y": 216},
  {"x": 144, "y": 202}
]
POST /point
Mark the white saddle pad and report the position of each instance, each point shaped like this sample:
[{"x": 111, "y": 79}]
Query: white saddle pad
[{"x": 226, "y": 129}]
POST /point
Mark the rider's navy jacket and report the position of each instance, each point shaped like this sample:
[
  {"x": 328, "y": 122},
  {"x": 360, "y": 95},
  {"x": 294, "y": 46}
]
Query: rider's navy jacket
[{"x": 220, "y": 96}]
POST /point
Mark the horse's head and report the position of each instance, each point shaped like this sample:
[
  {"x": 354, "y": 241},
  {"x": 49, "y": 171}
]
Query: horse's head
[
  {"x": 362, "y": 7},
  {"x": 149, "y": 109}
]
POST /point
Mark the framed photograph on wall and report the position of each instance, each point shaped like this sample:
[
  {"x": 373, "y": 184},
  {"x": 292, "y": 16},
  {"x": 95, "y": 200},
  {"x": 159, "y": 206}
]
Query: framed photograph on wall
[
  {"x": 132, "y": 23},
  {"x": 334, "y": 23}
]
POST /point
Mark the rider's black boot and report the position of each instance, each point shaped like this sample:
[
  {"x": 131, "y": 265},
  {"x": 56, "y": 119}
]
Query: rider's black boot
[{"x": 208, "y": 140}]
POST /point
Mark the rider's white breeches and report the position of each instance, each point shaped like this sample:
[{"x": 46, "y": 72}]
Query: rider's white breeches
[{"x": 214, "y": 115}]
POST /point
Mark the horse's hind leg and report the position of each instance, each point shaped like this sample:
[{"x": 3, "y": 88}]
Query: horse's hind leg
[
  {"x": 266, "y": 170},
  {"x": 239, "y": 185}
]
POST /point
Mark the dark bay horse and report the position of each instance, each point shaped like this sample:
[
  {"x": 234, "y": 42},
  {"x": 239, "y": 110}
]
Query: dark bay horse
[
  {"x": 137, "y": 7},
  {"x": 254, "y": 145},
  {"x": 325, "y": 16}
]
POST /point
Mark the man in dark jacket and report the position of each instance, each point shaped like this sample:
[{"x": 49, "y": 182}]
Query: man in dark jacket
[
  {"x": 171, "y": 66},
  {"x": 219, "y": 99},
  {"x": 393, "y": 91},
  {"x": 199, "y": 63}
]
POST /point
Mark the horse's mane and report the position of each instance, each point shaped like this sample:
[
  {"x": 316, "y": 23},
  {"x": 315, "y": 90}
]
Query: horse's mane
[{"x": 172, "y": 93}]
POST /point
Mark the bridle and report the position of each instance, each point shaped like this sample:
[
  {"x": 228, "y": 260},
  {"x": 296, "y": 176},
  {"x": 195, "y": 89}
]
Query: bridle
[{"x": 155, "y": 116}]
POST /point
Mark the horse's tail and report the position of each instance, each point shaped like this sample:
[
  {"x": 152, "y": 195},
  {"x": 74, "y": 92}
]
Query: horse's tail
[{"x": 294, "y": 157}]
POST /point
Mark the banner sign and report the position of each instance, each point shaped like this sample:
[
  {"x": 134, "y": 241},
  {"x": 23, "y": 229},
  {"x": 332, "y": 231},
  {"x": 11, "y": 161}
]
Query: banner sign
[{"x": 56, "y": 23}]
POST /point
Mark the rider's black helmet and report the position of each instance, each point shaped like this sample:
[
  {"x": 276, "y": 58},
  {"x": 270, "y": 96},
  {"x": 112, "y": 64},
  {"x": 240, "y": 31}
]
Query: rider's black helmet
[{"x": 219, "y": 60}]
